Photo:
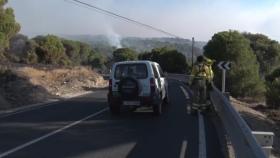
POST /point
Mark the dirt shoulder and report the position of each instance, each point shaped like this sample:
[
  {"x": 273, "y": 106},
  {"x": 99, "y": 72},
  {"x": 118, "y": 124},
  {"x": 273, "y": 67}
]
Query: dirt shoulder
[
  {"x": 259, "y": 118},
  {"x": 24, "y": 85}
]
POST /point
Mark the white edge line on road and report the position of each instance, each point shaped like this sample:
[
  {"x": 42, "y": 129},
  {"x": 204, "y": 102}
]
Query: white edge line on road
[
  {"x": 183, "y": 149},
  {"x": 28, "y": 108},
  {"x": 202, "y": 141},
  {"x": 50, "y": 134},
  {"x": 185, "y": 92}
]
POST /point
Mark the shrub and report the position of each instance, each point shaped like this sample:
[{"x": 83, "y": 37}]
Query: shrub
[
  {"x": 273, "y": 89},
  {"x": 169, "y": 59},
  {"x": 124, "y": 54}
]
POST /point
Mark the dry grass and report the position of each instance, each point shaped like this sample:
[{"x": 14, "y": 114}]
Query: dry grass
[
  {"x": 64, "y": 80},
  {"x": 27, "y": 85}
]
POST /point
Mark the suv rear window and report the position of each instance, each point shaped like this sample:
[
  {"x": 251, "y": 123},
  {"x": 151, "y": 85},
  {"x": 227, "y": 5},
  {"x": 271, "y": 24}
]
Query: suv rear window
[{"x": 138, "y": 71}]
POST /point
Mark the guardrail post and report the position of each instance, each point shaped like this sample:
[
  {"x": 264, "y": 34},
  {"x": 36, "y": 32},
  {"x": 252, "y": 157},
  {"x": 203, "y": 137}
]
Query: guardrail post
[
  {"x": 224, "y": 81},
  {"x": 265, "y": 140}
]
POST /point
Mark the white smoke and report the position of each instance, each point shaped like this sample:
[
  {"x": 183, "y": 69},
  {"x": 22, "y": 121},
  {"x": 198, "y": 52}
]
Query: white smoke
[{"x": 113, "y": 38}]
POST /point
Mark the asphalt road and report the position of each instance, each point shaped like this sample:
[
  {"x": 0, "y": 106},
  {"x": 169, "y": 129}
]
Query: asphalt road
[{"x": 83, "y": 127}]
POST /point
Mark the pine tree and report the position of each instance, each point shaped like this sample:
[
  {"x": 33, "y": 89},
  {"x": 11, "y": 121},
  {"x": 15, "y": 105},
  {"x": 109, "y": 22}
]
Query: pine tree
[
  {"x": 8, "y": 26},
  {"x": 243, "y": 79}
]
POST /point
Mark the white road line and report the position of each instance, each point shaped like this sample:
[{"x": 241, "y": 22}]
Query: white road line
[
  {"x": 185, "y": 92},
  {"x": 50, "y": 134},
  {"x": 36, "y": 107},
  {"x": 183, "y": 149},
  {"x": 202, "y": 141}
]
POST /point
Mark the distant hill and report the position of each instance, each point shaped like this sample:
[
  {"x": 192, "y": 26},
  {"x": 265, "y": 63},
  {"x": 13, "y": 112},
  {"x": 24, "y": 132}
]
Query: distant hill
[{"x": 107, "y": 44}]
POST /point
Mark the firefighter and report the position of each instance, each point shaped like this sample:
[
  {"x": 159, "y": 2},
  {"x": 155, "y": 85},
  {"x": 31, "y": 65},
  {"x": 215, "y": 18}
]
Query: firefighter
[{"x": 198, "y": 82}]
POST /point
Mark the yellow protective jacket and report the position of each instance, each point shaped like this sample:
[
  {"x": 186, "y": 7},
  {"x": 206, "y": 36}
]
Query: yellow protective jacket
[
  {"x": 209, "y": 70},
  {"x": 199, "y": 70},
  {"x": 203, "y": 70}
]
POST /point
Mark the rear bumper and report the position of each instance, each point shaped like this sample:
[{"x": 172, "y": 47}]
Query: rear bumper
[{"x": 117, "y": 100}]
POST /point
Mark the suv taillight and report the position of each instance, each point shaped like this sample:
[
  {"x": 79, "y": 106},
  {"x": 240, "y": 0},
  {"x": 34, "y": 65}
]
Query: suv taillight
[
  {"x": 152, "y": 85},
  {"x": 110, "y": 85}
]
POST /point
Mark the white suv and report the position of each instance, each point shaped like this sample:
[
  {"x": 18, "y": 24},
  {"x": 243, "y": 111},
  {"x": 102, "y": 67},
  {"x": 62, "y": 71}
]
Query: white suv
[{"x": 136, "y": 84}]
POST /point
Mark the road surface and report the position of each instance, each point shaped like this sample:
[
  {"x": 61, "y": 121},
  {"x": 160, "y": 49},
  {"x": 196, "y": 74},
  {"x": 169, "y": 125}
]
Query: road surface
[{"x": 83, "y": 127}]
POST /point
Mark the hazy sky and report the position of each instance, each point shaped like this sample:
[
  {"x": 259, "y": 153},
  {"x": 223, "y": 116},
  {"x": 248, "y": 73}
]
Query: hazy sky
[{"x": 186, "y": 18}]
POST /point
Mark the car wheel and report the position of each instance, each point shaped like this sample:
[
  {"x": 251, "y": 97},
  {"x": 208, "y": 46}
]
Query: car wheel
[
  {"x": 115, "y": 109},
  {"x": 166, "y": 100},
  {"x": 157, "y": 109}
]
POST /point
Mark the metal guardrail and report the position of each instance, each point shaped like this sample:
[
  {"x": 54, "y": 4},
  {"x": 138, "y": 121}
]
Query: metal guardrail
[
  {"x": 244, "y": 143},
  {"x": 241, "y": 136}
]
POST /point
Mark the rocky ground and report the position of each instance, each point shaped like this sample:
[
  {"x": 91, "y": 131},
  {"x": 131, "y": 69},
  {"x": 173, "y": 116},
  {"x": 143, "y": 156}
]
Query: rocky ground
[
  {"x": 261, "y": 118},
  {"x": 23, "y": 85}
]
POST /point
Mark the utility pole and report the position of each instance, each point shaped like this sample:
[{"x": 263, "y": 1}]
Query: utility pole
[{"x": 192, "y": 50}]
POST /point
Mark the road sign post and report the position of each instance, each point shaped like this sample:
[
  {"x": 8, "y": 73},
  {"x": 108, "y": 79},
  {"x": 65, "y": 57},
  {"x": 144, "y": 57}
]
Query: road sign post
[
  {"x": 224, "y": 81},
  {"x": 224, "y": 66}
]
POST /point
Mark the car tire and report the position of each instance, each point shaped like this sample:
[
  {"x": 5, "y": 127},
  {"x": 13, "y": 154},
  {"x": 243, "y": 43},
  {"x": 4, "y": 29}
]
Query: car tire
[
  {"x": 157, "y": 109},
  {"x": 115, "y": 109},
  {"x": 166, "y": 100}
]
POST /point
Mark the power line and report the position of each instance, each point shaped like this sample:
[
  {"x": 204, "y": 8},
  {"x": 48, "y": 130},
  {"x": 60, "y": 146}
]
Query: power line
[{"x": 107, "y": 12}]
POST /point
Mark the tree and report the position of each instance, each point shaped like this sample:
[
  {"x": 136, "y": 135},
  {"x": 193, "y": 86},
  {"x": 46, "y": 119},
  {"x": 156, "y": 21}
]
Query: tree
[
  {"x": 8, "y": 26},
  {"x": 30, "y": 56},
  {"x": 17, "y": 48},
  {"x": 273, "y": 89},
  {"x": 266, "y": 50},
  {"x": 145, "y": 56},
  {"x": 50, "y": 50},
  {"x": 124, "y": 54},
  {"x": 173, "y": 61},
  {"x": 169, "y": 59},
  {"x": 85, "y": 51},
  {"x": 243, "y": 79},
  {"x": 98, "y": 60},
  {"x": 72, "y": 50}
]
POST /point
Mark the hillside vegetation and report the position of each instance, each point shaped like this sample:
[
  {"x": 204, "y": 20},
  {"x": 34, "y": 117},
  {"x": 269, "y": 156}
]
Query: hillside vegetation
[
  {"x": 53, "y": 50},
  {"x": 108, "y": 44}
]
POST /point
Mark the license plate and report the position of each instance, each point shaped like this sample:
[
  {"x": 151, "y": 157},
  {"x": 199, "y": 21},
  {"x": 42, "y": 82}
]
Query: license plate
[{"x": 136, "y": 103}]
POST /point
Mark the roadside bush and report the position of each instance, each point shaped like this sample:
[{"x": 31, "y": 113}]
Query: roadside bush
[
  {"x": 273, "y": 89},
  {"x": 124, "y": 54},
  {"x": 6, "y": 75},
  {"x": 50, "y": 50},
  {"x": 169, "y": 59},
  {"x": 72, "y": 49},
  {"x": 31, "y": 58},
  {"x": 272, "y": 94}
]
